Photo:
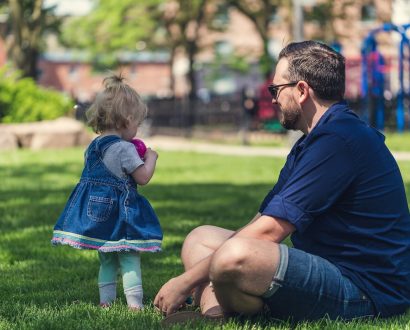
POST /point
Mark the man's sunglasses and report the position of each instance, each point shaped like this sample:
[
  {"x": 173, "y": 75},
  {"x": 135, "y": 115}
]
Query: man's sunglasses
[{"x": 274, "y": 89}]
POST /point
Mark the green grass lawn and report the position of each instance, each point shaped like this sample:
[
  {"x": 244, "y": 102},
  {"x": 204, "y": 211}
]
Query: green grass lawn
[
  {"x": 45, "y": 287},
  {"x": 395, "y": 141},
  {"x": 398, "y": 141}
]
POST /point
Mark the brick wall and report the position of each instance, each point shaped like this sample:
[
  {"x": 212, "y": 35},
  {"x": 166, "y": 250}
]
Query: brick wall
[{"x": 80, "y": 81}]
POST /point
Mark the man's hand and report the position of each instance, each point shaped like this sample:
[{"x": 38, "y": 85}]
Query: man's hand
[{"x": 171, "y": 296}]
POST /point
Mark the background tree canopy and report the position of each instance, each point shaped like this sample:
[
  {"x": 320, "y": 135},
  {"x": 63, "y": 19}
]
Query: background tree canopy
[
  {"x": 28, "y": 21},
  {"x": 112, "y": 26},
  {"x": 115, "y": 27}
]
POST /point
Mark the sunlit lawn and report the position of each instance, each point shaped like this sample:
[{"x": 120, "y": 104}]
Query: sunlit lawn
[
  {"x": 398, "y": 141},
  {"x": 394, "y": 140},
  {"x": 44, "y": 287}
]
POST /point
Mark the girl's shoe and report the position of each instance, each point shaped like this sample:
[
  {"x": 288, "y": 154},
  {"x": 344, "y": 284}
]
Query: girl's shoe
[
  {"x": 104, "y": 305},
  {"x": 192, "y": 316},
  {"x": 135, "y": 308}
]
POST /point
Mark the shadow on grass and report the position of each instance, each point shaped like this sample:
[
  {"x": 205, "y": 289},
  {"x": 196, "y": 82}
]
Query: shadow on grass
[{"x": 36, "y": 274}]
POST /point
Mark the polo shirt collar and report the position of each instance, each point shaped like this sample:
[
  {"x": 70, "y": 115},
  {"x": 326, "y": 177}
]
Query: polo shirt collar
[{"x": 333, "y": 109}]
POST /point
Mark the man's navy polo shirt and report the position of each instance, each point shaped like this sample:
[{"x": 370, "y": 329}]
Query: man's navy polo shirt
[{"x": 342, "y": 190}]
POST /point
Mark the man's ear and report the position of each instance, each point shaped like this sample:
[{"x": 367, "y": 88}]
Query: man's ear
[{"x": 303, "y": 91}]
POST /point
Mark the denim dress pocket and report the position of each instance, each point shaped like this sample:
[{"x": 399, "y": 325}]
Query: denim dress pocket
[{"x": 99, "y": 208}]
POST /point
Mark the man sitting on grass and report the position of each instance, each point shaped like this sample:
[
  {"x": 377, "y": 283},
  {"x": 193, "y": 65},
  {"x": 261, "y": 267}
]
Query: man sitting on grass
[{"x": 340, "y": 196}]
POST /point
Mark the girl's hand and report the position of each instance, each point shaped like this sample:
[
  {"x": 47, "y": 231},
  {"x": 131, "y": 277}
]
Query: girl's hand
[
  {"x": 143, "y": 174},
  {"x": 151, "y": 154}
]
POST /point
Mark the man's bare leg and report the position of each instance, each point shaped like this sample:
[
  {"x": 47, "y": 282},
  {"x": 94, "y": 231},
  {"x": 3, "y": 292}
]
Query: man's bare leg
[
  {"x": 241, "y": 271},
  {"x": 199, "y": 244}
]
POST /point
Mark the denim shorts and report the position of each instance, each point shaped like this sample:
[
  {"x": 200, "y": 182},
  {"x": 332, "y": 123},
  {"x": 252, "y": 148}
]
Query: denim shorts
[{"x": 308, "y": 287}]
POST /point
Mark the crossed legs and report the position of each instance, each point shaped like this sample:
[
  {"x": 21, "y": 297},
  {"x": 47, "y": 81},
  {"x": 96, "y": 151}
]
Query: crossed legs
[{"x": 241, "y": 269}]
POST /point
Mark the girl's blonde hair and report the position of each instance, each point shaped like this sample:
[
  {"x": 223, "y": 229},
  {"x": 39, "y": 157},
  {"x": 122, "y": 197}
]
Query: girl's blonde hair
[{"x": 115, "y": 106}]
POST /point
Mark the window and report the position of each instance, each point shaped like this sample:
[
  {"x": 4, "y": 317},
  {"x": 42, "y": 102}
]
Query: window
[
  {"x": 223, "y": 47},
  {"x": 133, "y": 71},
  {"x": 221, "y": 17},
  {"x": 368, "y": 13},
  {"x": 73, "y": 72}
]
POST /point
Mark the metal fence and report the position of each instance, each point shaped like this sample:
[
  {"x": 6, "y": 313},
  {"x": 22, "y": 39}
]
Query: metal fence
[
  {"x": 222, "y": 113},
  {"x": 183, "y": 113}
]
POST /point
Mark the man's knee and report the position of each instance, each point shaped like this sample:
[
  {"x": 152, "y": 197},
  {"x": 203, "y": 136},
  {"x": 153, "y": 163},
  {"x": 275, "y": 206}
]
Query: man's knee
[
  {"x": 195, "y": 237},
  {"x": 192, "y": 248},
  {"x": 227, "y": 262},
  {"x": 240, "y": 258}
]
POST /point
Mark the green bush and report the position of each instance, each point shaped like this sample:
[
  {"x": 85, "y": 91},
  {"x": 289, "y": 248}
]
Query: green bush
[{"x": 21, "y": 100}]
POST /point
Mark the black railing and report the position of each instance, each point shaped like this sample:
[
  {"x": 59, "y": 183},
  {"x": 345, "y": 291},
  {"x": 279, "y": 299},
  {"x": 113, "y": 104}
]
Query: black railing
[
  {"x": 223, "y": 113},
  {"x": 182, "y": 113}
]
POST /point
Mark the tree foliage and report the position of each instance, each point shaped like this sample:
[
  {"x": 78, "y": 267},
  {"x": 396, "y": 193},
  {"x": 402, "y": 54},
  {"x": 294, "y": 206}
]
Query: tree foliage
[
  {"x": 114, "y": 26},
  {"x": 182, "y": 20},
  {"x": 323, "y": 14},
  {"x": 174, "y": 25},
  {"x": 111, "y": 26},
  {"x": 28, "y": 21},
  {"x": 260, "y": 12}
]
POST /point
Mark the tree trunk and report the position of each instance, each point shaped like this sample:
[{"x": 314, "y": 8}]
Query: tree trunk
[
  {"x": 267, "y": 61},
  {"x": 26, "y": 36},
  {"x": 261, "y": 23},
  {"x": 172, "y": 77},
  {"x": 192, "y": 50}
]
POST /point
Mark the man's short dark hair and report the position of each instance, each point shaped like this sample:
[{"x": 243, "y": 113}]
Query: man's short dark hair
[{"x": 319, "y": 65}]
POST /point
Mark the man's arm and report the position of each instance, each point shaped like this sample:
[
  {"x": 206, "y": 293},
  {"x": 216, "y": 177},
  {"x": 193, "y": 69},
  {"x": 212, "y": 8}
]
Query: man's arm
[
  {"x": 267, "y": 228},
  {"x": 173, "y": 293}
]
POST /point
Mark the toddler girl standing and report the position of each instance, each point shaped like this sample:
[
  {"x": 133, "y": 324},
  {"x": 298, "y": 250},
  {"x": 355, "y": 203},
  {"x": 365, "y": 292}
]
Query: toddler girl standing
[{"x": 105, "y": 212}]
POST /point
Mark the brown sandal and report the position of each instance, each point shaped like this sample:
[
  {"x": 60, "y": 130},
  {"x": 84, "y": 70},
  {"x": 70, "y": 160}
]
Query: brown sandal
[{"x": 189, "y": 317}]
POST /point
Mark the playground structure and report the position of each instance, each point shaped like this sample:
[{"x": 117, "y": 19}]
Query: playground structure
[
  {"x": 378, "y": 81},
  {"x": 383, "y": 99}
]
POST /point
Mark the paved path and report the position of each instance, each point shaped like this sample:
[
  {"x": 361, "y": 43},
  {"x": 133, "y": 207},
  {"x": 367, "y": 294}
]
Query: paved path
[{"x": 181, "y": 144}]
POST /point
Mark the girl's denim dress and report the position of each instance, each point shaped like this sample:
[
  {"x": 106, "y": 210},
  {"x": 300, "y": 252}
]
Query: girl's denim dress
[{"x": 105, "y": 212}]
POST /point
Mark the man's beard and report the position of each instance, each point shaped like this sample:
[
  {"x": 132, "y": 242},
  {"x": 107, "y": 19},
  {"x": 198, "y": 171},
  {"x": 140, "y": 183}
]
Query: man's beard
[{"x": 289, "y": 118}]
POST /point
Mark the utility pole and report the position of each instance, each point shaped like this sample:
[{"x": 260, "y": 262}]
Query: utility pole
[
  {"x": 298, "y": 35},
  {"x": 298, "y": 20}
]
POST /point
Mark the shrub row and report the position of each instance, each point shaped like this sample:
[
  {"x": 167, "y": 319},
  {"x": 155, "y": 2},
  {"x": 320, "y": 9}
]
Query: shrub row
[{"x": 21, "y": 100}]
